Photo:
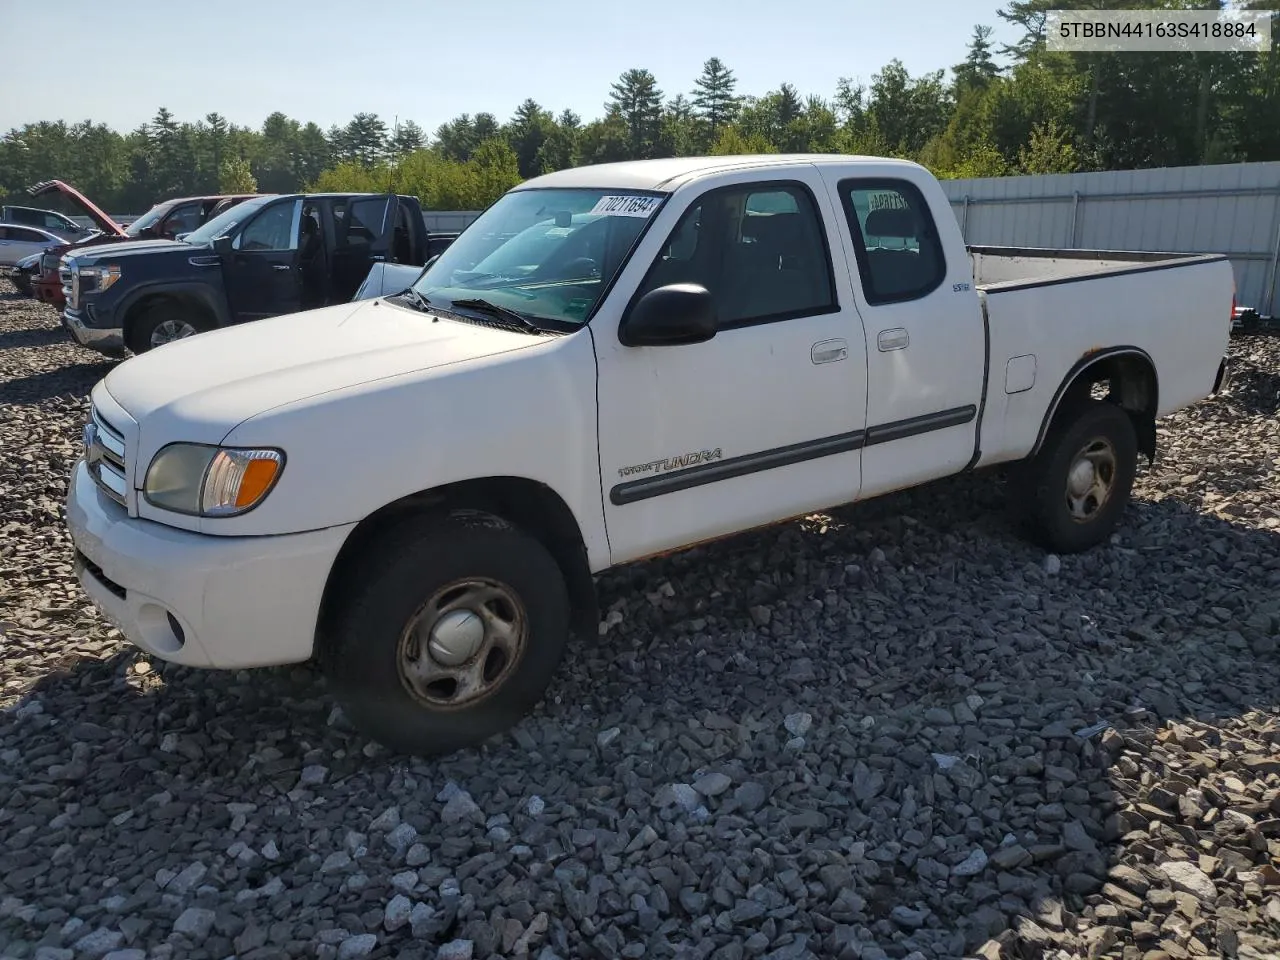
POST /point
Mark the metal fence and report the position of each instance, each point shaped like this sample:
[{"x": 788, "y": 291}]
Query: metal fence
[
  {"x": 449, "y": 221},
  {"x": 1232, "y": 209}
]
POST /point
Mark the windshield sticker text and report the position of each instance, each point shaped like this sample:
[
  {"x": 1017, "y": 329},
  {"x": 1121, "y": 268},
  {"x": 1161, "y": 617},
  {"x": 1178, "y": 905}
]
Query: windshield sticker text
[
  {"x": 625, "y": 206},
  {"x": 672, "y": 463}
]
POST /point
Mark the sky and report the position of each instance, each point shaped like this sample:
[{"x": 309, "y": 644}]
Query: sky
[{"x": 325, "y": 60}]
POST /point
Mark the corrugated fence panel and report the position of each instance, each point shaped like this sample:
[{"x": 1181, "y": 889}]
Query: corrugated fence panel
[
  {"x": 449, "y": 221},
  {"x": 1232, "y": 209}
]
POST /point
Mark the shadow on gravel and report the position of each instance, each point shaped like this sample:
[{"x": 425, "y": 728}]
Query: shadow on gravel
[
  {"x": 926, "y": 745},
  {"x": 34, "y": 337},
  {"x": 74, "y": 379}
]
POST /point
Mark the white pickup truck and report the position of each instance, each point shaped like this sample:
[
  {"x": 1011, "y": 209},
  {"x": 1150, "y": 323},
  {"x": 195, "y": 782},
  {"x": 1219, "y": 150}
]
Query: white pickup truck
[{"x": 612, "y": 362}]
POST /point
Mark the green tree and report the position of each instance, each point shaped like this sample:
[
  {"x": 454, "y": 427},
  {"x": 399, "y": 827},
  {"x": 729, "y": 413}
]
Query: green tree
[
  {"x": 1048, "y": 150},
  {"x": 237, "y": 177},
  {"x": 561, "y": 148},
  {"x": 715, "y": 101},
  {"x": 456, "y": 138},
  {"x": 678, "y": 134},
  {"x": 407, "y": 138},
  {"x": 636, "y": 98},
  {"x": 363, "y": 140},
  {"x": 979, "y": 67},
  {"x": 607, "y": 140},
  {"x": 526, "y": 133},
  {"x": 733, "y": 143}
]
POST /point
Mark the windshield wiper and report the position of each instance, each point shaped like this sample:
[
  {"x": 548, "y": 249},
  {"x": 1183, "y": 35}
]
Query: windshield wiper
[
  {"x": 505, "y": 313},
  {"x": 416, "y": 300}
]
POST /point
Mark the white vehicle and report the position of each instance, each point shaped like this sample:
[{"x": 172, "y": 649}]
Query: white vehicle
[
  {"x": 18, "y": 243},
  {"x": 612, "y": 362}
]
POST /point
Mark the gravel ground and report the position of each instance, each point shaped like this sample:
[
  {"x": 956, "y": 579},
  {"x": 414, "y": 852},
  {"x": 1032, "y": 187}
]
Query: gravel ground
[{"x": 896, "y": 731}]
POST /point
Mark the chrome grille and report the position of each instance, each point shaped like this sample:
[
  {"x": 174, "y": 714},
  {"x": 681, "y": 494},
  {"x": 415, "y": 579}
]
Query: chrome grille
[
  {"x": 104, "y": 454},
  {"x": 66, "y": 278}
]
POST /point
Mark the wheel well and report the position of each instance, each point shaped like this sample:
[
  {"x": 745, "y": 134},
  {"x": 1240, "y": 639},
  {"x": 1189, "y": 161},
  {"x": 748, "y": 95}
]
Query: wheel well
[
  {"x": 1126, "y": 378},
  {"x": 152, "y": 300},
  {"x": 534, "y": 507}
]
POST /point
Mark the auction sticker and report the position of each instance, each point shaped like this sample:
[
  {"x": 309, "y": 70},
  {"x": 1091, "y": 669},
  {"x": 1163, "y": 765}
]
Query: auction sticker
[{"x": 626, "y": 206}]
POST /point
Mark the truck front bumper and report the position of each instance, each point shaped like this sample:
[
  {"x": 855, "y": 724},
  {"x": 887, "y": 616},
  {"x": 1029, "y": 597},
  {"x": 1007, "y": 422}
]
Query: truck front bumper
[
  {"x": 104, "y": 339},
  {"x": 198, "y": 600}
]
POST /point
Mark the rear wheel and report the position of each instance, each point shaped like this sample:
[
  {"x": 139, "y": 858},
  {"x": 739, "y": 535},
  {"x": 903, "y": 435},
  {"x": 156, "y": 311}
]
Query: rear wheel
[
  {"x": 451, "y": 634},
  {"x": 1076, "y": 488},
  {"x": 163, "y": 324}
]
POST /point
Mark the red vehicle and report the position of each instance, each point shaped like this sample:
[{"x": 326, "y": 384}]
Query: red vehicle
[{"x": 165, "y": 221}]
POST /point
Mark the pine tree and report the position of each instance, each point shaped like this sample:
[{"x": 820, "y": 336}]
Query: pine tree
[
  {"x": 714, "y": 99},
  {"x": 526, "y": 133},
  {"x": 407, "y": 138},
  {"x": 637, "y": 99},
  {"x": 978, "y": 68}
]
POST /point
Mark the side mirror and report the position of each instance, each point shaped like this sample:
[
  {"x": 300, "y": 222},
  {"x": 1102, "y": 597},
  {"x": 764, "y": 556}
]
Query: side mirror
[
  {"x": 676, "y": 314},
  {"x": 222, "y": 245}
]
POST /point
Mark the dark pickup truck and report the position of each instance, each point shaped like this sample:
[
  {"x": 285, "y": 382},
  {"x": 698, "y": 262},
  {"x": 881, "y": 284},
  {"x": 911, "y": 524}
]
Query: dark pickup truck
[{"x": 267, "y": 256}]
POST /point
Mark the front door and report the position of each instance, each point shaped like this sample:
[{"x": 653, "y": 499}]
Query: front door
[
  {"x": 261, "y": 271},
  {"x": 925, "y": 344},
  {"x": 763, "y": 421}
]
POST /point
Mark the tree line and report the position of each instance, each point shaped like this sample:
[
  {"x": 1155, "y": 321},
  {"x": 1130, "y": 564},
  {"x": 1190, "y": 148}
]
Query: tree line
[{"x": 1038, "y": 111}]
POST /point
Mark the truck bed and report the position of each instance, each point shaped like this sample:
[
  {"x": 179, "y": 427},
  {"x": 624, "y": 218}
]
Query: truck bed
[
  {"x": 1012, "y": 267},
  {"x": 1049, "y": 313}
]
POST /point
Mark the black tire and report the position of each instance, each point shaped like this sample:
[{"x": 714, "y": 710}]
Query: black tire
[
  {"x": 1107, "y": 431},
  {"x": 362, "y": 654},
  {"x": 142, "y": 329}
]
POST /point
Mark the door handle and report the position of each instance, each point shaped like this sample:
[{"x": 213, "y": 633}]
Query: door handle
[
  {"x": 281, "y": 266},
  {"x": 829, "y": 351},
  {"x": 895, "y": 339}
]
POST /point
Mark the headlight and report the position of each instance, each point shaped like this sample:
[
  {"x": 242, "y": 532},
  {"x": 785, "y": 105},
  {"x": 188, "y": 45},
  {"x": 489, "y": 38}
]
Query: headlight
[
  {"x": 206, "y": 481},
  {"x": 106, "y": 274}
]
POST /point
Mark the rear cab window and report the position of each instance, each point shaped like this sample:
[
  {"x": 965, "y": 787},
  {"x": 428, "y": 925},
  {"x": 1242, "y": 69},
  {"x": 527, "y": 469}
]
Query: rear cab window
[{"x": 895, "y": 240}]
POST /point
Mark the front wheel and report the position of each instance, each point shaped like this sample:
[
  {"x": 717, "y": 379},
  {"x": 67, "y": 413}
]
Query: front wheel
[
  {"x": 163, "y": 324},
  {"x": 1077, "y": 486},
  {"x": 451, "y": 634}
]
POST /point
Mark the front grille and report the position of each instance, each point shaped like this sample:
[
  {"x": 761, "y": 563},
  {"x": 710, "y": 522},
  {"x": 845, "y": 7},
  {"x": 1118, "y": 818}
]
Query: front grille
[
  {"x": 105, "y": 456},
  {"x": 95, "y": 571}
]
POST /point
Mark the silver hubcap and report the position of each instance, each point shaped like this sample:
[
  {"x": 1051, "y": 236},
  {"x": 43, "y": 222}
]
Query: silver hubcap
[
  {"x": 462, "y": 644},
  {"x": 171, "y": 330},
  {"x": 1090, "y": 479}
]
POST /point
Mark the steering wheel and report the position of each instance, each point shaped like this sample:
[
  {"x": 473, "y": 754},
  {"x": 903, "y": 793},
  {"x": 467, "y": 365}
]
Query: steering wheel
[{"x": 581, "y": 267}]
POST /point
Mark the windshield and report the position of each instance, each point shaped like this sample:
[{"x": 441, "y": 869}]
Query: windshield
[
  {"x": 226, "y": 221},
  {"x": 148, "y": 219},
  {"x": 547, "y": 254}
]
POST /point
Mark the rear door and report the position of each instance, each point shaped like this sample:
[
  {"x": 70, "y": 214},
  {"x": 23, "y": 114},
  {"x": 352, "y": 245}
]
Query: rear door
[
  {"x": 261, "y": 271},
  {"x": 925, "y": 340},
  {"x": 363, "y": 229}
]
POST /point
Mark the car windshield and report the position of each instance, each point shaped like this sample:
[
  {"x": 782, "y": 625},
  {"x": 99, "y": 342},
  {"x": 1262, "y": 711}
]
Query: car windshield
[
  {"x": 148, "y": 219},
  {"x": 546, "y": 254},
  {"x": 226, "y": 221}
]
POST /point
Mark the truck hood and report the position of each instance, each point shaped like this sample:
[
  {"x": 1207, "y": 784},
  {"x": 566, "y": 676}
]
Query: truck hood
[
  {"x": 200, "y": 388},
  {"x": 130, "y": 248},
  {"x": 81, "y": 202}
]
